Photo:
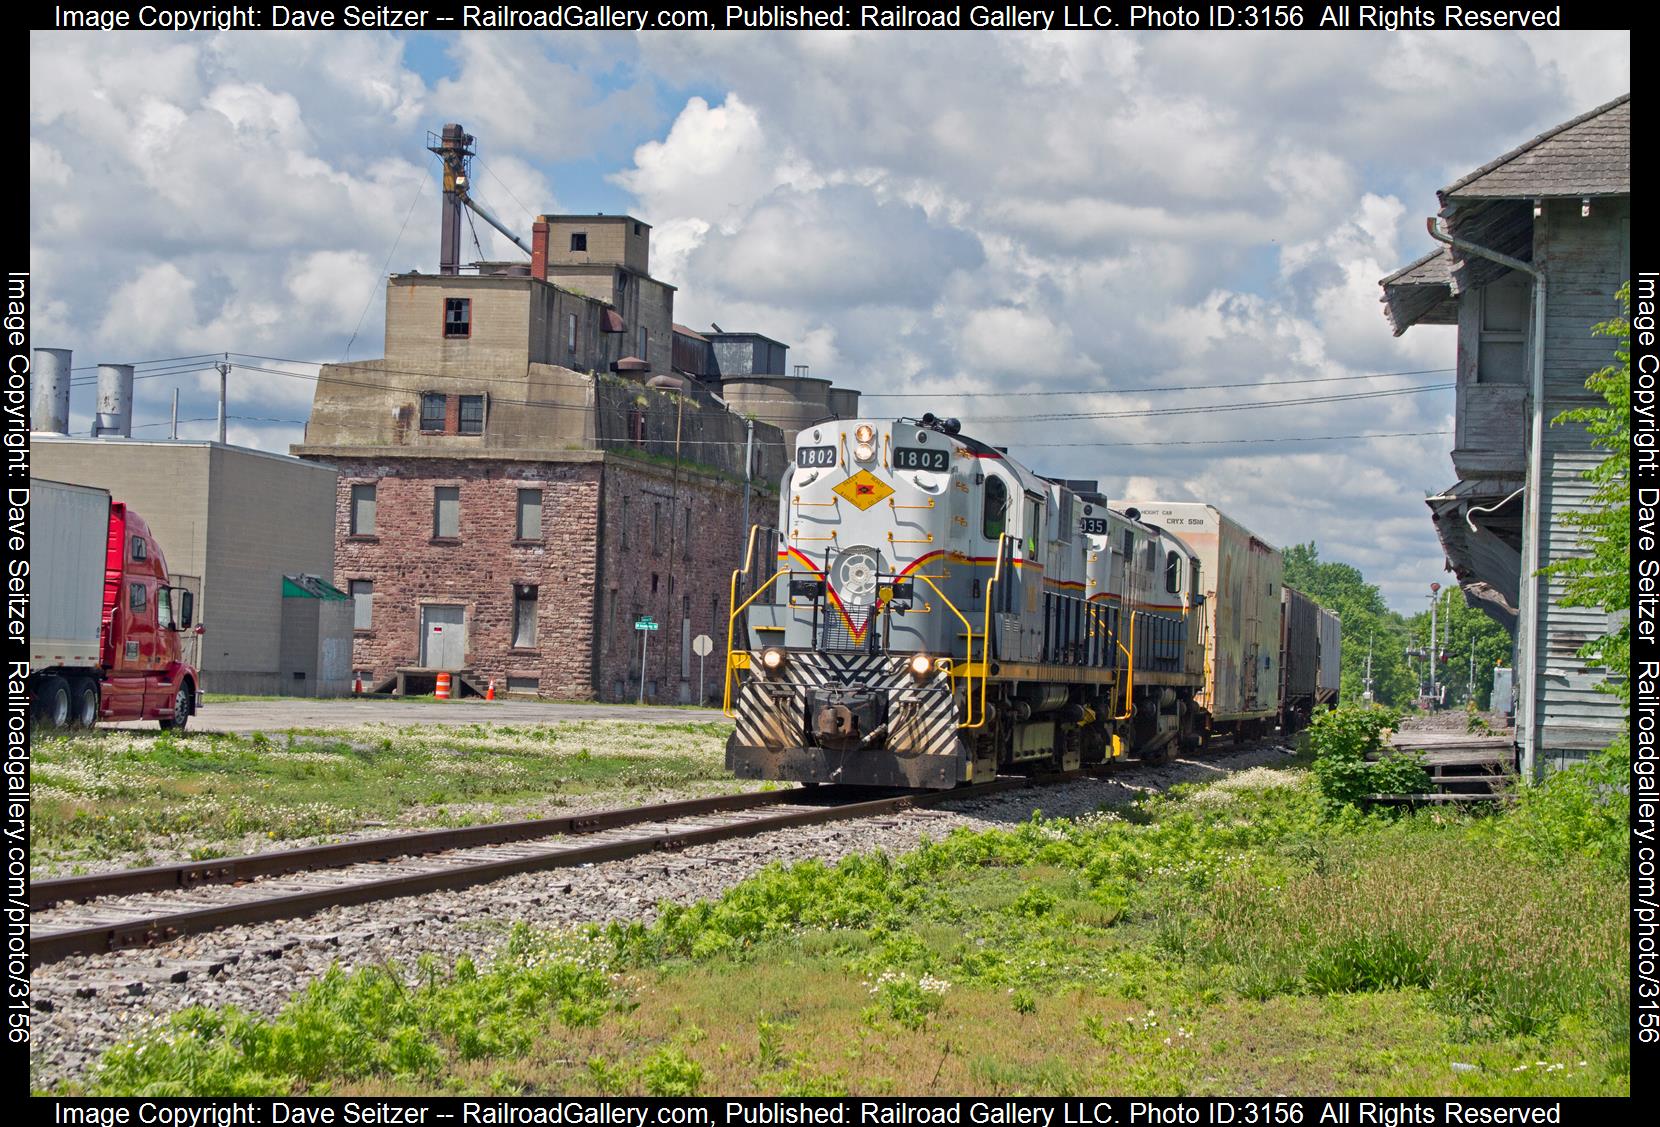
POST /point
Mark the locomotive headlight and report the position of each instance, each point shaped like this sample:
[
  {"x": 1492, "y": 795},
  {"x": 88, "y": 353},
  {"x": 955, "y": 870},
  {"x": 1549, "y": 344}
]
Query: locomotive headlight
[
  {"x": 864, "y": 452},
  {"x": 772, "y": 659},
  {"x": 864, "y": 434},
  {"x": 921, "y": 665}
]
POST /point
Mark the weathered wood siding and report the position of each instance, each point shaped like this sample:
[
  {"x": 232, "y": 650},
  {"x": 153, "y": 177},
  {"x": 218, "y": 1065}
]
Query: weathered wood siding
[{"x": 1585, "y": 260}]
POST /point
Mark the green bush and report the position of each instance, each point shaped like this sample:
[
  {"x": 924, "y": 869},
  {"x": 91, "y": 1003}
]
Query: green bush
[
  {"x": 1582, "y": 811},
  {"x": 1342, "y": 738}
]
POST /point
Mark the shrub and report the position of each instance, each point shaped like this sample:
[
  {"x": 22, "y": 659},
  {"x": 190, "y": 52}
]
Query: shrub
[
  {"x": 1582, "y": 811},
  {"x": 1341, "y": 740}
]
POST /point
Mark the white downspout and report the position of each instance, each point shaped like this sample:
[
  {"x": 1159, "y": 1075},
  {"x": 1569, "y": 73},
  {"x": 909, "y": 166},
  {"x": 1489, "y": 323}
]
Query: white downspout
[{"x": 1535, "y": 470}]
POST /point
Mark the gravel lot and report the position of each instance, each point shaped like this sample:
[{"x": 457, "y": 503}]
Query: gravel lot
[
  {"x": 281, "y": 715},
  {"x": 83, "y": 1005}
]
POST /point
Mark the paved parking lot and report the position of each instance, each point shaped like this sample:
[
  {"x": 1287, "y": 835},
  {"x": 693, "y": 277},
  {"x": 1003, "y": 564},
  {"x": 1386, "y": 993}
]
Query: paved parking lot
[{"x": 276, "y": 715}]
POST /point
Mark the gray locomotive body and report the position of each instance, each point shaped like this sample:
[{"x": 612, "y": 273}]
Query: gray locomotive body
[{"x": 928, "y": 612}]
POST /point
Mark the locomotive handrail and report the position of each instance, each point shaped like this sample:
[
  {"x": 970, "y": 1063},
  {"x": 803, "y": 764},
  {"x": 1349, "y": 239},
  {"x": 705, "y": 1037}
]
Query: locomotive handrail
[
  {"x": 731, "y": 624},
  {"x": 1129, "y": 678},
  {"x": 985, "y": 637},
  {"x": 968, "y": 718},
  {"x": 894, "y": 505},
  {"x": 929, "y": 539}
]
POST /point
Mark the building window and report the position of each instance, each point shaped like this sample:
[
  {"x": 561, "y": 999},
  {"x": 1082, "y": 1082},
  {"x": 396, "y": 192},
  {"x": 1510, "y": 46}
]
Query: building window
[
  {"x": 446, "y": 511},
  {"x": 639, "y": 229},
  {"x": 1502, "y": 349},
  {"x": 137, "y": 600},
  {"x": 570, "y": 333},
  {"x": 363, "y": 510},
  {"x": 524, "y": 615},
  {"x": 458, "y": 316},
  {"x": 363, "y": 603},
  {"x": 472, "y": 414},
  {"x": 644, "y": 339},
  {"x": 579, "y": 240},
  {"x": 529, "y": 523},
  {"x": 433, "y": 407},
  {"x": 516, "y": 684}
]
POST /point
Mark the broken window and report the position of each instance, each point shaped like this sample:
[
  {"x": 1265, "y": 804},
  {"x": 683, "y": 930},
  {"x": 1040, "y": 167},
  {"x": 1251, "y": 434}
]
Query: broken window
[
  {"x": 579, "y": 240},
  {"x": 458, "y": 316}
]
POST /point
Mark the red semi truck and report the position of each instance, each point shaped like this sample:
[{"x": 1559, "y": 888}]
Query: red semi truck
[{"x": 105, "y": 626}]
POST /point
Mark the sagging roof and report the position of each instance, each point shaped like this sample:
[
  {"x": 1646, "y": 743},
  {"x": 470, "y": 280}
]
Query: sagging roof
[
  {"x": 1588, "y": 156},
  {"x": 1420, "y": 293}
]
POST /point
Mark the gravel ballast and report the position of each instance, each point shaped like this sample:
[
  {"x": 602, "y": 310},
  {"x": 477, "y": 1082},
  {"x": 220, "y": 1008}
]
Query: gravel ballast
[{"x": 84, "y": 1005}]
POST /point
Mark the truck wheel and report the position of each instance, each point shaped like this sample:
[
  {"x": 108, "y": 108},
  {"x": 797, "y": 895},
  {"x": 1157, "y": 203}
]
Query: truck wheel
[
  {"x": 53, "y": 702},
  {"x": 184, "y": 703},
  {"x": 85, "y": 701}
]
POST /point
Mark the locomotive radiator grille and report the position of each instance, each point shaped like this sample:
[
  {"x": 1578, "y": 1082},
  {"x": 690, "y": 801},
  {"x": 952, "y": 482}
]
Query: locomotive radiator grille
[{"x": 922, "y": 716}]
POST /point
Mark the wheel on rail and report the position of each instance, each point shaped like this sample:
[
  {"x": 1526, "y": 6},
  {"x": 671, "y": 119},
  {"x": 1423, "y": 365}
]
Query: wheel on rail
[
  {"x": 52, "y": 702},
  {"x": 84, "y": 703}
]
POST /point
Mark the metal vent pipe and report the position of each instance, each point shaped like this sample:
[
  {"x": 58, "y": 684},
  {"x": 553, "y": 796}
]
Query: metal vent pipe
[
  {"x": 49, "y": 390},
  {"x": 114, "y": 418}
]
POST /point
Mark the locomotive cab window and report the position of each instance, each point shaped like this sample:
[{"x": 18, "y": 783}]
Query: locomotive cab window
[
  {"x": 1033, "y": 532},
  {"x": 1172, "y": 573},
  {"x": 995, "y": 520}
]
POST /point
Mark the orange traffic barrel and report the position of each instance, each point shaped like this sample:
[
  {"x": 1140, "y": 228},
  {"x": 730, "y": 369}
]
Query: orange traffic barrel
[{"x": 442, "y": 692}]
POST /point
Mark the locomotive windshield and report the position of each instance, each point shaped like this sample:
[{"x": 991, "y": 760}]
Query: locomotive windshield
[{"x": 997, "y": 506}]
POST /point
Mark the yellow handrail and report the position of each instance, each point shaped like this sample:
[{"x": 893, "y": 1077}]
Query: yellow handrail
[
  {"x": 929, "y": 539},
  {"x": 967, "y": 721},
  {"x": 731, "y": 625},
  {"x": 985, "y": 635},
  {"x": 1129, "y": 680}
]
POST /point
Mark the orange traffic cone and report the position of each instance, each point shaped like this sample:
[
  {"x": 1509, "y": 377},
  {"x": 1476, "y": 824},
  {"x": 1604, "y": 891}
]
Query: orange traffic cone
[
  {"x": 442, "y": 692},
  {"x": 357, "y": 685},
  {"x": 490, "y": 690}
]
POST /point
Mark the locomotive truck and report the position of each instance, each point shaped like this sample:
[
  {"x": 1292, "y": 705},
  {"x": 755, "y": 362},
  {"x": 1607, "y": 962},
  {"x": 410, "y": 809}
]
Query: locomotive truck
[{"x": 105, "y": 626}]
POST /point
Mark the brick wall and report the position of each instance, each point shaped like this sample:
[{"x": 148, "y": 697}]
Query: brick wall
[
  {"x": 594, "y": 578},
  {"x": 478, "y": 569}
]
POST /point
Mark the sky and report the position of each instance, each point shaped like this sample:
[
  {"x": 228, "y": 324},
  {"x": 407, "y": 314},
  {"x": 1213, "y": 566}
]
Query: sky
[{"x": 1047, "y": 235}]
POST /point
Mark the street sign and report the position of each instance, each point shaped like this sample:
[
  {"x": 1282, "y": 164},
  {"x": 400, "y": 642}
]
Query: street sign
[
  {"x": 645, "y": 624},
  {"x": 702, "y": 645}
]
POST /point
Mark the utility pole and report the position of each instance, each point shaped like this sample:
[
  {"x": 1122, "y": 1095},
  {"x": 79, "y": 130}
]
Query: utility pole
[
  {"x": 224, "y": 371},
  {"x": 1434, "y": 604},
  {"x": 749, "y": 461},
  {"x": 1367, "y": 694},
  {"x": 175, "y": 414}
]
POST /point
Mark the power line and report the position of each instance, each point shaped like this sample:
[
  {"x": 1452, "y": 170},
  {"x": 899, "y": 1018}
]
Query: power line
[
  {"x": 1141, "y": 389},
  {"x": 1249, "y": 441},
  {"x": 1213, "y": 408}
]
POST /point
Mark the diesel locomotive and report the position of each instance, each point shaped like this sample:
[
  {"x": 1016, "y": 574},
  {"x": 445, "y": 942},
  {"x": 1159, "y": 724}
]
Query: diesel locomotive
[{"x": 928, "y": 612}]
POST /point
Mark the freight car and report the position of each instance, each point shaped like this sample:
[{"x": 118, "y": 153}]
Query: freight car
[{"x": 929, "y": 612}]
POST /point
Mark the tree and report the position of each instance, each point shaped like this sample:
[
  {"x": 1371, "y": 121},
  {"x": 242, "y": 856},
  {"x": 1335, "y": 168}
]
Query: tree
[
  {"x": 1366, "y": 618},
  {"x": 1602, "y": 577}
]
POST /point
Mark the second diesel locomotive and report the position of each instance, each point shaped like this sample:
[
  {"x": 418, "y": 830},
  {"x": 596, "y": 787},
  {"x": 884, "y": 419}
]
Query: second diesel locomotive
[{"x": 930, "y": 612}]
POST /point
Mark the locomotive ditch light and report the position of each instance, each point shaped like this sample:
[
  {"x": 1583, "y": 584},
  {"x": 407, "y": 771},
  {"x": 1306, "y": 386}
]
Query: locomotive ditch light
[
  {"x": 921, "y": 665},
  {"x": 772, "y": 659}
]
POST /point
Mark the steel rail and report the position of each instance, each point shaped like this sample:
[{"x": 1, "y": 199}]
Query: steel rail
[
  {"x": 110, "y": 935},
  {"x": 230, "y": 870}
]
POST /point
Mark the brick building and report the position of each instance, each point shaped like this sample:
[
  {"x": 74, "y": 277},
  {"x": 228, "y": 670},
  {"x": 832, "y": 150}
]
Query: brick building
[{"x": 523, "y": 476}]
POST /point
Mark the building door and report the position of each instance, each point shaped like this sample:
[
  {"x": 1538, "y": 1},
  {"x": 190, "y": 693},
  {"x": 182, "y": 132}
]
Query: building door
[{"x": 443, "y": 637}]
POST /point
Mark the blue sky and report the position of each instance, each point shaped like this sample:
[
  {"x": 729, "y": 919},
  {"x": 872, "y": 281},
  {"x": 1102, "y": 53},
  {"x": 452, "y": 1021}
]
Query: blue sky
[{"x": 955, "y": 215}]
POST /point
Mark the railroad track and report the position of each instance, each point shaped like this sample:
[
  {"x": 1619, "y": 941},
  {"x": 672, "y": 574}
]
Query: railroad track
[{"x": 144, "y": 907}]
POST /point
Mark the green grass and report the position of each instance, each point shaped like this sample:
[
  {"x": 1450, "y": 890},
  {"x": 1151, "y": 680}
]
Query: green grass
[
  {"x": 1245, "y": 937},
  {"x": 129, "y": 794}
]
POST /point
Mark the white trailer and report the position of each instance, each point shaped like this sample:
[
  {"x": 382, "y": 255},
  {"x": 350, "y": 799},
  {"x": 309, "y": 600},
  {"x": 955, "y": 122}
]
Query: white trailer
[{"x": 69, "y": 528}]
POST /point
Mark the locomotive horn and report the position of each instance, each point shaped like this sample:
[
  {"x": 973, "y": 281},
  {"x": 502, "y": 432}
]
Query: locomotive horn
[
  {"x": 929, "y": 418},
  {"x": 950, "y": 426}
]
